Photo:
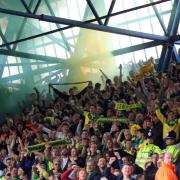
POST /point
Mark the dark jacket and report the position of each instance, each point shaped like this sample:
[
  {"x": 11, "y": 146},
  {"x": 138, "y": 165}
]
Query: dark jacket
[
  {"x": 97, "y": 175},
  {"x": 121, "y": 178},
  {"x": 178, "y": 168},
  {"x": 157, "y": 134},
  {"x": 150, "y": 172}
]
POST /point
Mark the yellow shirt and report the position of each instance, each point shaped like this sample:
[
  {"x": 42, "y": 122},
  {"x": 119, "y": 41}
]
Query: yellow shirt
[
  {"x": 88, "y": 117},
  {"x": 167, "y": 127}
]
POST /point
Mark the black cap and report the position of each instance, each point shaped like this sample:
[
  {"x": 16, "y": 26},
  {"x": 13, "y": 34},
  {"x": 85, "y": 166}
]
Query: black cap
[{"x": 171, "y": 135}]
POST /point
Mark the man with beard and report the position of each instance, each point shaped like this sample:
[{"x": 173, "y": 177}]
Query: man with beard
[{"x": 100, "y": 170}]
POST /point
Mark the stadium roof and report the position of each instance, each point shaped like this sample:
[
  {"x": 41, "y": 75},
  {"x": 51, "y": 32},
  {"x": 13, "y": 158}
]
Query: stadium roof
[{"x": 42, "y": 39}]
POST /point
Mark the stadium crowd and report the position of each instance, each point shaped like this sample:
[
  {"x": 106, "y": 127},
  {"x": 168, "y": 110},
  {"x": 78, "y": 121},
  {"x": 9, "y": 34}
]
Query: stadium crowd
[{"x": 99, "y": 134}]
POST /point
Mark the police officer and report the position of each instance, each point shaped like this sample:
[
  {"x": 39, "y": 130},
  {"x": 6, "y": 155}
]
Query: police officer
[
  {"x": 170, "y": 145},
  {"x": 144, "y": 154}
]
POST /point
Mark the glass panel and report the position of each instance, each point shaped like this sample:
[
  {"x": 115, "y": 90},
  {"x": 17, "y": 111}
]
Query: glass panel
[
  {"x": 157, "y": 29},
  {"x": 145, "y": 26},
  {"x": 5, "y": 72},
  {"x": 13, "y": 70},
  {"x": 20, "y": 69},
  {"x": 54, "y": 45},
  {"x": 165, "y": 6},
  {"x": 124, "y": 41},
  {"x": 73, "y": 9},
  {"x": 11, "y": 59},
  {"x": 166, "y": 18},
  {"x": 159, "y": 49},
  {"x": 139, "y": 55},
  {"x": 3, "y": 24},
  {"x": 17, "y": 81},
  {"x": 177, "y": 46},
  {"x": 50, "y": 50},
  {"x": 13, "y": 5},
  {"x": 135, "y": 41},
  {"x": 34, "y": 67},
  {"x": 60, "y": 52},
  {"x": 151, "y": 52}
]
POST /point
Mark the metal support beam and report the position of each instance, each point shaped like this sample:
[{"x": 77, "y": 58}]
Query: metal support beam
[
  {"x": 79, "y": 46},
  {"x": 26, "y": 64},
  {"x": 167, "y": 50},
  {"x": 49, "y": 35},
  {"x": 51, "y": 60},
  {"x": 4, "y": 39},
  {"x": 33, "y": 56},
  {"x": 159, "y": 18},
  {"x": 163, "y": 27},
  {"x": 175, "y": 24},
  {"x": 176, "y": 38},
  {"x": 140, "y": 19},
  {"x": 177, "y": 42},
  {"x": 136, "y": 48},
  {"x": 27, "y": 70},
  {"x": 24, "y": 22},
  {"x": 75, "y": 23},
  {"x": 58, "y": 26},
  {"x": 91, "y": 6},
  {"x": 48, "y": 77},
  {"x": 12, "y": 85},
  {"x": 109, "y": 12},
  {"x": 103, "y": 28},
  {"x": 19, "y": 33},
  {"x": 53, "y": 38},
  {"x": 37, "y": 6},
  {"x": 121, "y": 51},
  {"x": 9, "y": 35},
  {"x": 38, "y": 71},
  {"x": 26, "y": 6},
  {"x": 56, "y": 30},
  {"x": 67, "y": 27},
  {"x": 22, "y": 26},
  {"x": 31, "y": 37},
  {"x": 176, "y": 55}
]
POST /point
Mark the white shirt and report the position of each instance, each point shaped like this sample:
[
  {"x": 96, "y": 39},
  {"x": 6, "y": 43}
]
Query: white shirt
[{"x": 64, "y": 162}]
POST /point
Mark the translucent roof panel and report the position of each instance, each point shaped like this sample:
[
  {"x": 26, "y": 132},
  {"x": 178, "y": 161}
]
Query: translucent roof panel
[
  {"x": 12, "y": 5},
  {"x": 143, "y": 20},
  {"x": 51, "y": 57}
]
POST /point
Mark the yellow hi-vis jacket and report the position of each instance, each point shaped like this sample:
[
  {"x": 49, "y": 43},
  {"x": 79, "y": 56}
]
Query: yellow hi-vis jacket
[
  {"x": 173, "y": 150},
  {"x": 145, "y": 153}
]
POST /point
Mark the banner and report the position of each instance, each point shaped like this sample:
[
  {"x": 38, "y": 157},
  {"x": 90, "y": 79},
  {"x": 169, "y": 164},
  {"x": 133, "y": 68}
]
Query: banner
[
  {"x": 110, "y": 120},
  {"x": 88, "y": 117},
  {"x": 159, "y": 75},
  {"x": 136, "y": 77},
  {"x": 155, "y": 75},
  {"x": 41, "y": 146},
  {"x": 146, "y": 69},
  {"x": 127, "y": 107}
]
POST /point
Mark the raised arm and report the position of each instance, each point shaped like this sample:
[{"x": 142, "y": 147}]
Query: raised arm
[
  {"x": 120, "y": 74},
  {"x": 160, "y": 116},
  {"x": 59, "y": 93}
]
